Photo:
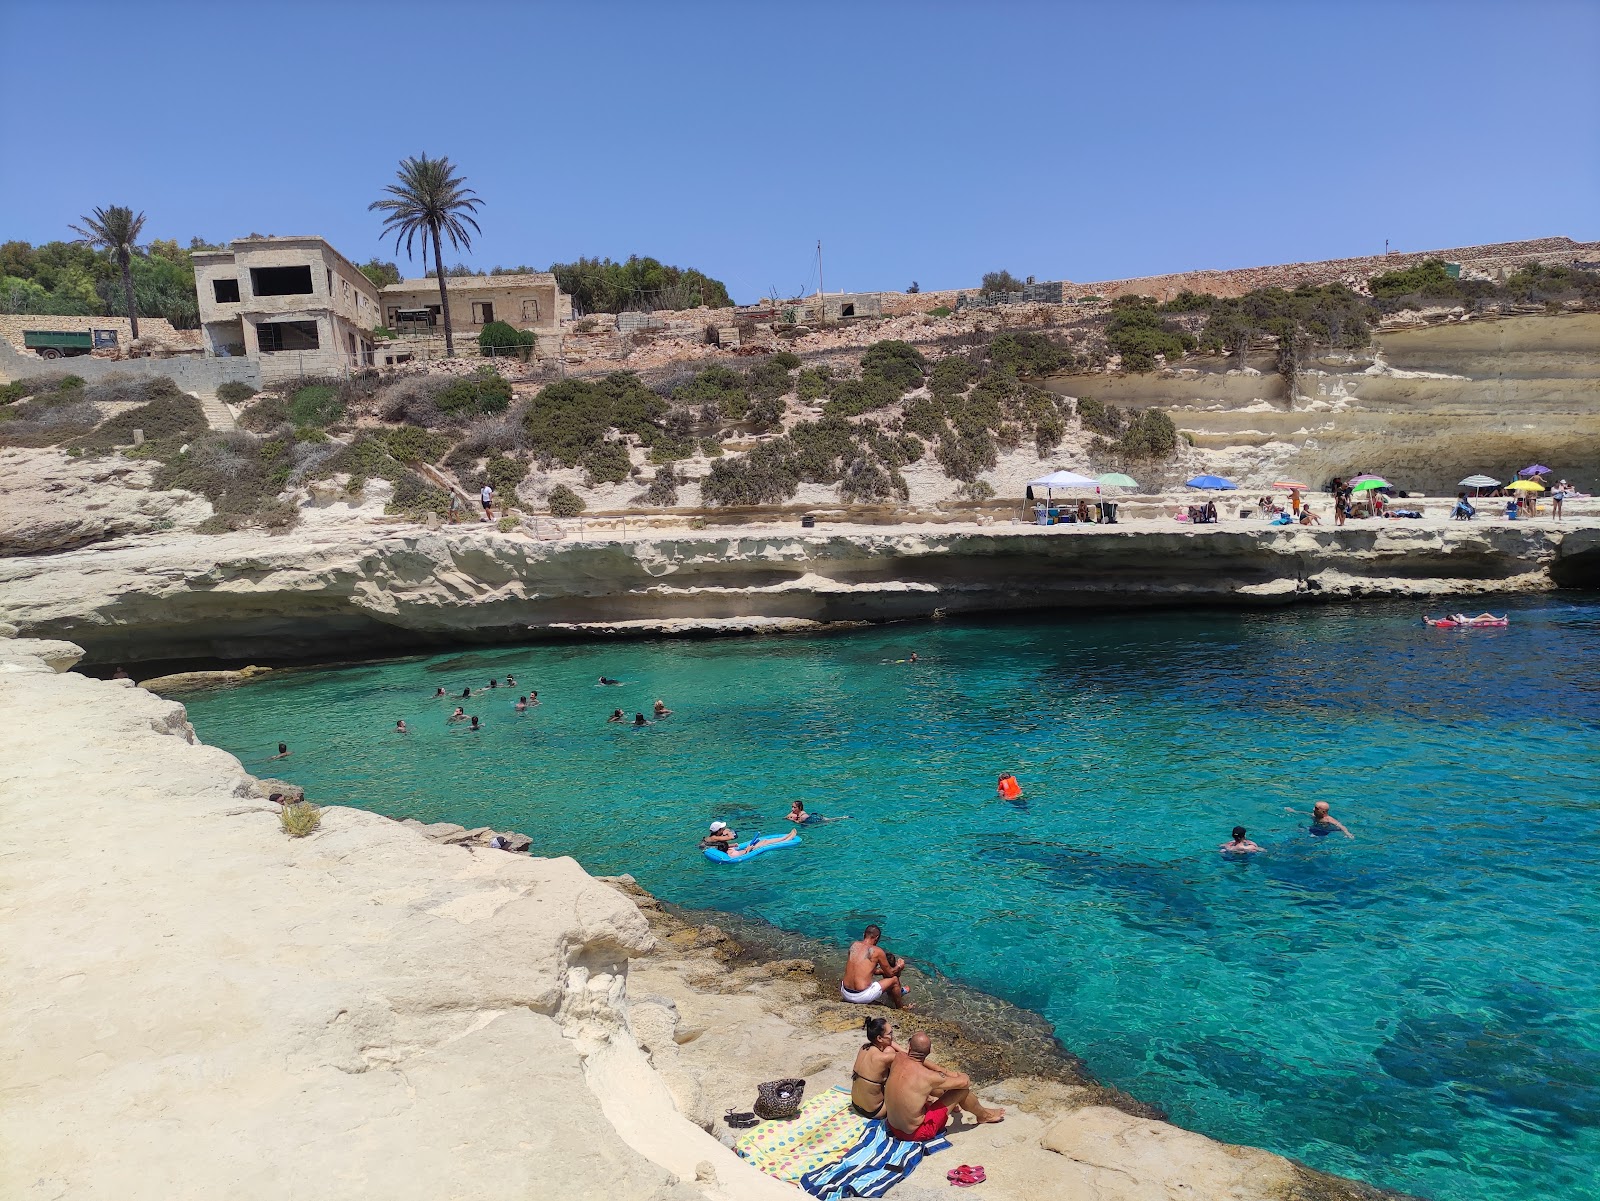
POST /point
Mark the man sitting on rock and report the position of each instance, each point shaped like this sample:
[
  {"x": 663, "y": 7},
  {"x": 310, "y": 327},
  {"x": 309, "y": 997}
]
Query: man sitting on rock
[
  {"x": 866, "y": 961},
  {"x": 920, "y": 1095}
]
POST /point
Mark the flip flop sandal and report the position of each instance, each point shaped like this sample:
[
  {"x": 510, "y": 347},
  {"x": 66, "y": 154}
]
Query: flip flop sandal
[
  {"x": 739, "y": 1121},
  {"x": 965, "y": 1176}
]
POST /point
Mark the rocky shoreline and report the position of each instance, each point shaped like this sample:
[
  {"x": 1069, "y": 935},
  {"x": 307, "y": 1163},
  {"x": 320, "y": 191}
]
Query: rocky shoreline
[
  {"x": 202, "y": 1006},
  {"x": 366, "y": 589}
]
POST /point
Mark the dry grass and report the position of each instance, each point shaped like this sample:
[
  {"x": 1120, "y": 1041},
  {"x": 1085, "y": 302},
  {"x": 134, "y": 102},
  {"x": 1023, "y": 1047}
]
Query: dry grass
[{"x": 299, "y": 819}]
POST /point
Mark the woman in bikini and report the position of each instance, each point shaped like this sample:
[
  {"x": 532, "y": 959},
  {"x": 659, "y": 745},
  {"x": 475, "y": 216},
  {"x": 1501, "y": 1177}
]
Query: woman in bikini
[{"x": 871, "y": 1070}]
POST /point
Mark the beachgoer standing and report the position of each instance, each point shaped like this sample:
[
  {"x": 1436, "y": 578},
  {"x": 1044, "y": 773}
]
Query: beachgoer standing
[
  {"x": 1558, "y": 495},
  {"x": 486, "y": 495},
  {"x": 920, "y": 1095},
  {"x": 869, "y": 974}
]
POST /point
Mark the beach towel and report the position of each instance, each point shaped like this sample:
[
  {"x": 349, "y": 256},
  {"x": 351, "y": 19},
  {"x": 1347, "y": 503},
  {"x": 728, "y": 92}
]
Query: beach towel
[
  {"x": 820, "y": 1134},
  {"x": 877, "y": 1163}
]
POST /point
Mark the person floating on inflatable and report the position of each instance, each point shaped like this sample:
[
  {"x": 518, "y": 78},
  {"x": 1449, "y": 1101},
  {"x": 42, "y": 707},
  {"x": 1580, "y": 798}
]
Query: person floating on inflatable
[{"x": 1007, "y": 787}]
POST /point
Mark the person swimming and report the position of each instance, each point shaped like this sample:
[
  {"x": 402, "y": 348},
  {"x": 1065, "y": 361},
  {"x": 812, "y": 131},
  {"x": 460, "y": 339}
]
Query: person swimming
[
  {"x": 1323, "y": 823},
  {"x": 522, "y": 704},
  {"x": 400, "y": 727},
  {"x": 283, "y": 752},
  {"x": 511, "y": 681},
  {"x": 1240, "y": 845},
  {"x": 466, "y": 694},
  {"x": 475, "y": 723},
  {"x": 662, "y": 710},
  {"x": 459, "y": 715},
  {"x": 533, "y": 697},
  {"x": 798, "y": 815},
  {"x": 638, "y": 720},
  {"x": 438, "y": 692},
  {"x": 494, "y": 683},
  {"x": 604, "y": 681},
  {"x": 617, "y": 716}
]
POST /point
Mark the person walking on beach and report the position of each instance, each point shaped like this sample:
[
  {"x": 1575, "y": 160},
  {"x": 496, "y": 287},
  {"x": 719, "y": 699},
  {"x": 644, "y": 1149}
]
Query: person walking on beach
[
  {"x": 869, "y": 974},
  {"x": 1240, "y": 845},
  {"x": 1323, "y": 823},
  {"x": 920, "y": 1095},
  {"x": 486, "y": 495},
  {"x": 1557, "y": 495}
]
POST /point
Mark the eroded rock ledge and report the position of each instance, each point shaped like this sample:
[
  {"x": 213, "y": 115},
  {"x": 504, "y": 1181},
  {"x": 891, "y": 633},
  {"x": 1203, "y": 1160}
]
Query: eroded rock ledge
[
  {"x": 307, "y": 595},
  {"x": 200, "y": 1007}
]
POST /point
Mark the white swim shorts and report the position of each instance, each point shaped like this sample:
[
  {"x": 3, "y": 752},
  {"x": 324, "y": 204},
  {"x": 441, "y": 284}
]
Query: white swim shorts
[{"x": 866, "y": 996}]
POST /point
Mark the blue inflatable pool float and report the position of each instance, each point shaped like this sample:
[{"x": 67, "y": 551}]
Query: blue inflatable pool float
[{"x": 721, "y": 856}]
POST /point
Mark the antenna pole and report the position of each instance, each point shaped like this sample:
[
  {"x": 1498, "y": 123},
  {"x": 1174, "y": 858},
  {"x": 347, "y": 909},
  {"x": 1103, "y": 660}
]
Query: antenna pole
[{"x": 822, "y": 296}]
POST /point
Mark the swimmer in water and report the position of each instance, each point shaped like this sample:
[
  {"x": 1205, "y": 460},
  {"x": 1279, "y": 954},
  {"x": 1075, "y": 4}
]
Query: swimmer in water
[
  {"x": 733, "y": 852},
  {"x": 1323, "y": 823},
  {"x": 522, "y": 703},
  {"x": 605, "y": 681},
  {"x": 662, "y": 710},
  {"x": 459, "y": 715},
  {"x": 400, "y": 727},
  {"x": 638, "y": 720},
  {"x": 913, "y": 658},
  {"x": 475, "y": 723},
  {"x": 1240, "y": 845},
  {"x": 494, "y": 683},
  {"x": 466, "y": 694},
  {"x": 616, "y": 717},
  {"x": 511, "y": 682},
  {"x": 799, "y": 817},
  {"x": 438, "y": 692},
  {"x": 533, "y": 697},
  {"x": 283, "y": 752}
]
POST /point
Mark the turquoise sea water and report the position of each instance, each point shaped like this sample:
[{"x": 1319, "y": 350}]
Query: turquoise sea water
[{"x": 1419, "y": 1007}]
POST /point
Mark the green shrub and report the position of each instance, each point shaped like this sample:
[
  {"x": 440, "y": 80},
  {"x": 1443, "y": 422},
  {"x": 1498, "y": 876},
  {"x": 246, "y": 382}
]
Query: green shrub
[
  {"x": 606, "y": 463},
  {"x": 1099, "y": 417},
  {"x": 766, "y": 475},
  {"x": 480, "y": 394},
  {"x": 663, "y": 490},
  {"x": 316, "y": 405},
  {"x": 813, "y": 383},
  {"x": 267, "y": 413},
  {"x": 233, "y": 392},
  {"x": 769, "y": 380},
  {"x": 1150, "y": 435},
  {"x": 70, "y": 381},
  {"x": 504, "y": 474},
  {"x": 500, "y": 339},
  {"x": 853, "y": 397},
  {"x": 1428, "y": 278},
  {"x": 1027, "y": 355},
  {"x": 13, "y": 392},
  {"x": 564, "y": 502},
  {"x": 976, "y": 490},
  {"x": 721, "y": 387},
  {"x": 1000, "y": 281},
  {"x": 164, "y": 419},
  {"x": 942, "y": 310},
  {"x": 765, "y": 415},
  {"x": 570, "y": 418},
  {"x": 409, "y": 444},
  {"x": 898, "y": 364},
  {"x": 506, "y": 524},
  {"x": 965, "y": 456},
  {"x": 300, "y": 819},
  {"x": 1138, "y": 333},
  {"x": 952, "y": 375},
  {"x": 414, "y": 496},
  {"x": 785, "y": 359}
]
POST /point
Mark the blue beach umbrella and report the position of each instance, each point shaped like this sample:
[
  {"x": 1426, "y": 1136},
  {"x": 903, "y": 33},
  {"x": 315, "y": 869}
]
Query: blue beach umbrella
[{"x": 1214, "y": 482}]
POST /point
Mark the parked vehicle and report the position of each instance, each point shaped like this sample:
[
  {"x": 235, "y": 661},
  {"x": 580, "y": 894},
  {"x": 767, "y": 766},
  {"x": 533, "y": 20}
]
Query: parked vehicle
[{"x": 66, "y": 344}]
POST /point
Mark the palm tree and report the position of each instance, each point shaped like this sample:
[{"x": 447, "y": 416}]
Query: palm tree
[
  {"x": 428, "y": 198},
  {"x": 116, "y": 229}
]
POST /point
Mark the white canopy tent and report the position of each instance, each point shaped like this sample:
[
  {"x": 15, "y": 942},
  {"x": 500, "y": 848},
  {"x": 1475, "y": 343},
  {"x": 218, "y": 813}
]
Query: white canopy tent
[{"x": 1064, "y": 479}]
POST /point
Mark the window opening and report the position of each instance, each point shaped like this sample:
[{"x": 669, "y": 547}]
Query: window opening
[
  {"x": 530, "y": 310},
  {"x": 225, "y": 290},
  {"x": 273, "y": 336},
  {"x": 280, "y": 281},
  {"x": 482, "y": 312}
]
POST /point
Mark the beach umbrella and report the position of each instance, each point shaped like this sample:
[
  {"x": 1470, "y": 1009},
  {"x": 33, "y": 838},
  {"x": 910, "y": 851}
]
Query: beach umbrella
[
  {"x": 1063, "y": 479},
  {"x": 1368, "y": 483},
  {"x": 1361, "y": 479},
  {"x": 1524, "y": 486},
  {"x": 1214, "y": 482},
  {"x": 1535, "y": 469},
  {"x": 1292, "y": 485},
  {"x": 1115, "y": 479},
  {"x": 1480, "y": 481}
]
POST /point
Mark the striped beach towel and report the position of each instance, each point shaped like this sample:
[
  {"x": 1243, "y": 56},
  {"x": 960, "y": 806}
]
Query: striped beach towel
[
  {"x": 872, "y": 1167},
  {"x": 820, "y": 1134}
]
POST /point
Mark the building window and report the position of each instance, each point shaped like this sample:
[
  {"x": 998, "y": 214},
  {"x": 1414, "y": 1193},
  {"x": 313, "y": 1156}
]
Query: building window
[
  {"x": 530, "y": 310},
  {"x": 346, "y": 284},
  {"x": 226, "y": 290},
  {"x": 330, "y": 283},
  {"x": 482, "y": 312},
  {"x": 274, "y": 336},
  {"x": 847, "y": 310},
  {"x": 280, "y": 281}
]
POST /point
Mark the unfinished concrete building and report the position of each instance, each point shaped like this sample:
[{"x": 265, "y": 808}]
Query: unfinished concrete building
[
  {"x": 295, "y": 304},
  {"x": 532, "y": 301}
]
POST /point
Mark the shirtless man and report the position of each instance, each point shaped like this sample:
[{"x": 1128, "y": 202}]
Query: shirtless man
[
  {"x": 1240, "y": 844},
  {"x": 1323, "y": 823},
  {"x": 867, "y": 960},
  {"x": 920, "y": 1095}
]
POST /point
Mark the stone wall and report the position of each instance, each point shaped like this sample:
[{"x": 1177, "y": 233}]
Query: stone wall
[
  {"x": 531, "y": 301},
  {"x": 13, "y": 325},
  {"x": 192, "y": 373}
]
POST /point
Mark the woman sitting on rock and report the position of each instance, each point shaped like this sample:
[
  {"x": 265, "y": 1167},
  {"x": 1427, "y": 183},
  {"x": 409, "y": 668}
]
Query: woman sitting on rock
[{"x": 871, "y": 1070}]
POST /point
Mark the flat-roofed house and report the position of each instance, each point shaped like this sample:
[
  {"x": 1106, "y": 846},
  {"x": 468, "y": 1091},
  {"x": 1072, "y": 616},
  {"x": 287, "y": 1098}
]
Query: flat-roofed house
[
  {"x": 531, "y": 301},
  {"x": 295, "y": 304}
]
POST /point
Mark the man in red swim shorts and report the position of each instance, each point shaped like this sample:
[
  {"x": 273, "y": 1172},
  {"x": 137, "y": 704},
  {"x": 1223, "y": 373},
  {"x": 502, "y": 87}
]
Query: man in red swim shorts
[{"x": 919, "y": 1095}]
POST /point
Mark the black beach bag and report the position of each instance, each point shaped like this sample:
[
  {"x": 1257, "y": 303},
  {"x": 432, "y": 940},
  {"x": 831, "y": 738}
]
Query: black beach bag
[{"x": 780, "y": 1098}]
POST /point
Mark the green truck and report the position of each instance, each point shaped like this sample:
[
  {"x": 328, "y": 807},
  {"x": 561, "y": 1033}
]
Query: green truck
[{"x": 64, "y": 344}]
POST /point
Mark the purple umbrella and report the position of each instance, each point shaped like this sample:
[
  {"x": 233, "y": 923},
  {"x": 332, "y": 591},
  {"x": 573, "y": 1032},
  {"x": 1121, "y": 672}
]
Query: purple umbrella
[
  {"x": 1534, "y": 470},
  {"x": 1363, "y": 478}
]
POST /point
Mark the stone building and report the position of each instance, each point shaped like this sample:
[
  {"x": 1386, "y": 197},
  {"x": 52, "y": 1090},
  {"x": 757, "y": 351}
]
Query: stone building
[
  {"x": 296, "y": 305},
  {"x": 532, "y": 301}
]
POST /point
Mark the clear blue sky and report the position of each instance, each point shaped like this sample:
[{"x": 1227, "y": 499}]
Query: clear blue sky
[{"x": 918, "y": 141}]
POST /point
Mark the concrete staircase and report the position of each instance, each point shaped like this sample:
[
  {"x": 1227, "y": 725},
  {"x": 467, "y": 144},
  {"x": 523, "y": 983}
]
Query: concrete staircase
[{"x": 218, "y": 415}]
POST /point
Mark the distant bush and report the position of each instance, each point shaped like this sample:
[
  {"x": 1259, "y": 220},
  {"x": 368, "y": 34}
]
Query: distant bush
[
  {"x": 564, "y": 502},
  {"x": 1029, "y": 355},
  {"x": 315, "y": 405},
  {"x": 606, "y": 463},
  {"x": 1326, "y": 315},
  {"x": 300, "y": 819},
  {"x": 412, "y": 399},
  {"x": 663, "y": 490},
  {"x": 70, "y": 381},
  {"x": 721, "y": 387},
  {"x": 785, "y": 359},
  {"x": 1099, "y": 417},
  {"x": 500, "y": 339},
  {"x": 480, "y": 394},
  {"x": 414, "y": 496},
  {"x": 506, "y": 524},
  {"x": 1137, "y": 332},
  {"x": 898, "y": 364},
  {"x": 976, "y": 490},
  {"x": 771, "y": 379},
  {"x": 965, "y": 456},
  {"x": 166, "y": 418},
  {"x": 765, "y": 415},
  {"x": 410, "y": 444},
  {"x": 766, "y": 475},
  {"x": 1150, "y": 435},
  {"x": 1428, "y": 278},
  {"x": 852, "y": 397},
  {"x": 48, "y": 420},
  {"x": 813, "y": 383},
  {"x": 942, "y": 310},
  {"x": 951, "y": 375},
  {"x": 1000, "y": 281},
  {"x": 233, "y": 392},
  {"x": 570, "y": 419}
]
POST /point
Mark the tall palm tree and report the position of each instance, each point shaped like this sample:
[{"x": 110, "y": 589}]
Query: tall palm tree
[
  {"x": 427, "y": 199},
  {"x": 116, "y": 229}
]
